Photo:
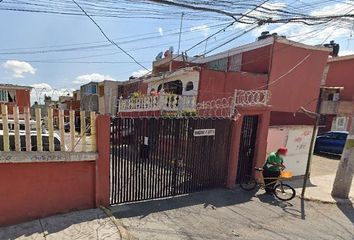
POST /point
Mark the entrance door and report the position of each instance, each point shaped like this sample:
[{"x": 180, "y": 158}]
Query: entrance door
[{"x": 247, "y": 146}]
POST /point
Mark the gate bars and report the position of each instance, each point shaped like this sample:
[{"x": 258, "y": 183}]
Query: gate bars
[{"x": 161, "y": 157}]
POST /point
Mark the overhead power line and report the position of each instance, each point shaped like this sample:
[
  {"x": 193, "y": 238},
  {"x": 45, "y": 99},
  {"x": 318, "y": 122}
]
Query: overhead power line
[{"x": 108, "y": 39}]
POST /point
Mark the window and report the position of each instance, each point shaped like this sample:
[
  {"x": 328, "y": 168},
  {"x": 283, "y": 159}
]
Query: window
[
  {"x": 7, "y": 96},
  {"x": 93, "y": 89},
  {"x": 341, "y": 136},
  {"x": 174, "y": 87},
  {"x": 101, "y": 90},
  {"x": 218, "y": 65},
  {"x": 235, "y": 62},
  {"x": 340, "y": 122},
  {"x": 4, "y": 96},
  {"x": 189, "y": 86}
]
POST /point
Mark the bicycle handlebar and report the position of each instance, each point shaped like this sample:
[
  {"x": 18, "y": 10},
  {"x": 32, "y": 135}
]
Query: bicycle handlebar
[{"x": 258, "y": 169}]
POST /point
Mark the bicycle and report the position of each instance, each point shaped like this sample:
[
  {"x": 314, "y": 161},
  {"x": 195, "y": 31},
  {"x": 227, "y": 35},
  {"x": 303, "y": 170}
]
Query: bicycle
[{"x": 282, "y": 191}]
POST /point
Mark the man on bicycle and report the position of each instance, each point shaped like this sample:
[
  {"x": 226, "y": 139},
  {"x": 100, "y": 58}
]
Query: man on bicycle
[{"x": 273, "y": 166}]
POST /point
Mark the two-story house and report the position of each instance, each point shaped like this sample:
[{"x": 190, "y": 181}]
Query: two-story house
[
  {"x": 11, "y": 95},
  {"x": 337, "y": 97},
  {"x": 290, "y": 71}
]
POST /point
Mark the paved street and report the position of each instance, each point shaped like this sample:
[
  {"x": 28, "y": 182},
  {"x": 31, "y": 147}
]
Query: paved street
[
  {"x": 323, "y": 171},
  {"x": 87, "y": 224},
  {"x": 224, "y": 214}
]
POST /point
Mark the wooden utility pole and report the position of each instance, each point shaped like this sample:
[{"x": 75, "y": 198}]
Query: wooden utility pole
[{"x": 344, "y": 176}]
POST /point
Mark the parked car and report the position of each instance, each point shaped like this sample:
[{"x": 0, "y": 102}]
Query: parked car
[
  {"x": 123, "y": 135},
  {"x": 67, "y": 127},
  {"x": 45, "y": 141},
  {"x": 331, "y": 142},
  {"x": 11, "y": 124},
  {"x": 78, "y": 126}
]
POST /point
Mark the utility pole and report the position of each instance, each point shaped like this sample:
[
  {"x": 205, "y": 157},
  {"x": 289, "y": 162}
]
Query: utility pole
[
  {"x": 316, "y": 116},
  {"x": 344, "y": 176},
  {"x": 180, "y": 33}
]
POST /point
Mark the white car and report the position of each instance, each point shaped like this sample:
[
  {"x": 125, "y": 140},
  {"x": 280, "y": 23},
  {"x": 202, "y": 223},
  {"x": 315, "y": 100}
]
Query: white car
[{"x": 45, "y": 141}]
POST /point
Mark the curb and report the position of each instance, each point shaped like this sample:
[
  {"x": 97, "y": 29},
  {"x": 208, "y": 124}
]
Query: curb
[
  {"x": 124, "y": 233},
  {"x": 337, "y": 202}
]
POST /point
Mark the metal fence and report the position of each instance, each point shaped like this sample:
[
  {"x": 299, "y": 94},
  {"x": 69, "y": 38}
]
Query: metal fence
[{"x": 162, "y": 157}]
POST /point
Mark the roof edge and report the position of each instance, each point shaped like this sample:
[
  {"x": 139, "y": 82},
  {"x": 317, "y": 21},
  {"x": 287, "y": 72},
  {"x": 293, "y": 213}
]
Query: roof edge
[
  {"x": 341, "y": 58},
  {"x": 302, "y": 45}
]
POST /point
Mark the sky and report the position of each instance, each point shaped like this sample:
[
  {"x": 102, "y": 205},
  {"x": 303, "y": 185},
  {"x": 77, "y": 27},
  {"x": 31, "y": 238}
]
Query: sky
[{"x": 58, "y": 53}]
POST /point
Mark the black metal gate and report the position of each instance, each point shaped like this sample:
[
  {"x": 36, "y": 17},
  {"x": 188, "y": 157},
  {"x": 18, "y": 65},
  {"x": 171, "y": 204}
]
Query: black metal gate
[
  {"x": 155, "y": 158},
  {"x": 247, "y": 147}
]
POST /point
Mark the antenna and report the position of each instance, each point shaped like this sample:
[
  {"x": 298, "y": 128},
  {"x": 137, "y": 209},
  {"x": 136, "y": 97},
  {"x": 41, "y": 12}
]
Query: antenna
[{"x": 159, "y": 56}]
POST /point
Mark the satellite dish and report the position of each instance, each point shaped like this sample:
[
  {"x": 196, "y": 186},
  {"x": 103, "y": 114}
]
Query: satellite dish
[
  {"x": 171, "y": 49},
  {"x": 159, "y": 56}
]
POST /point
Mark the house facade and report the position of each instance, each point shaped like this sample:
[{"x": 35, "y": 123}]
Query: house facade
[
  {"x": 89, "y": 97},
  {"x": 286, "y": 74},
  {"x": 107, "y": 97},
  {"x": 12, "y": 95},
  {"x": 337, "y": 106},
  {"x": 100, "y": 97}
]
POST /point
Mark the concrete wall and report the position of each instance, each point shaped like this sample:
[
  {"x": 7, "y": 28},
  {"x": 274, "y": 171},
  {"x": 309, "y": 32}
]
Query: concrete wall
[
  {"x": 341, "y": 74},
  {"x": 257, "y": 61},
  {"x": 292, "y": 87},
  {"x": 289, "y": 118},
  {"x": 216, "y": 84},
  {"x": 297, "y": 139},
  {"x": 43, "y": 186},
  {"x": 33, "y": 190}
]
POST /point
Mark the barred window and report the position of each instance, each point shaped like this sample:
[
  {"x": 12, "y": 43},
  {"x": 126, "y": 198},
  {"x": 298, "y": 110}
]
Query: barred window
[{"x": 4, "y": 96}]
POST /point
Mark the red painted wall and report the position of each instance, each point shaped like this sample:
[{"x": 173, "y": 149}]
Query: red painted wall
[
  {"x": 301, "y": 86},
  {"x": 33, "y": 190},
  {"x": 288, "y": 118},
  {"x": 341, "y": 74},
  {"x": 23, "y": 98},
  {"x": 217, "y": 84},
  {"x": 257, "y": 61}
]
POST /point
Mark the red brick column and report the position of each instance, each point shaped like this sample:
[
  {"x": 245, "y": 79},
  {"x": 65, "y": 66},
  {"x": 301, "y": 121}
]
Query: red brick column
[
  {"x": 262, "y": 136},
  {"x": 234, "y": 150},
  {"x": 103, "y": 163}
]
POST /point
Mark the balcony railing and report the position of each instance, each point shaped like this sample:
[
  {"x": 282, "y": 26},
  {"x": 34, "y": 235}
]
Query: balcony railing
[
  {"x": 158, "y": 103},
  {"x": 337, "y": 107}
]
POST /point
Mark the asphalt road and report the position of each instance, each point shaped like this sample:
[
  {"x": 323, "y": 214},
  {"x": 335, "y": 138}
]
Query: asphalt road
[{"x": 225, "y": 214}]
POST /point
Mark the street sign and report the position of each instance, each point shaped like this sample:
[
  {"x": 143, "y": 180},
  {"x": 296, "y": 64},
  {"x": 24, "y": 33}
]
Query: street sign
[{"x": 203, "y": 132}]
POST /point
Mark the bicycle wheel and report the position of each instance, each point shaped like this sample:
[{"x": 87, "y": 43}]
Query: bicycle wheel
[
  {"x": 284, "y": 192},
  {"x": 248, "y": 183}
]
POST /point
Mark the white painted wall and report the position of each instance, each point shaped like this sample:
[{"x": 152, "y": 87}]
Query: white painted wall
[
  {"x": 297, "y": 139},
  {"x": 184, "y": 77}
]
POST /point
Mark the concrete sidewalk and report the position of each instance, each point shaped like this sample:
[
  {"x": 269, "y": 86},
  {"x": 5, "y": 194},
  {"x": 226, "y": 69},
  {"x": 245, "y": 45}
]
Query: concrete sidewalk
[
  {"x": 87, "y": 224},
  {"x": 319, "y": 186}
]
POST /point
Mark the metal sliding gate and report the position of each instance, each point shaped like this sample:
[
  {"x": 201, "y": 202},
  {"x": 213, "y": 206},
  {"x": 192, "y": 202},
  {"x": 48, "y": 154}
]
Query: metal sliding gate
[{"x": 156, "y": 158}]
